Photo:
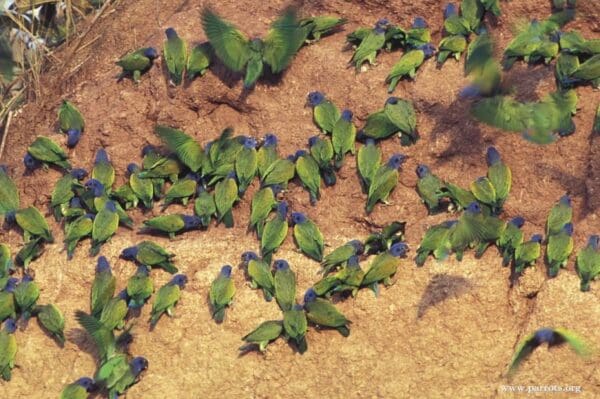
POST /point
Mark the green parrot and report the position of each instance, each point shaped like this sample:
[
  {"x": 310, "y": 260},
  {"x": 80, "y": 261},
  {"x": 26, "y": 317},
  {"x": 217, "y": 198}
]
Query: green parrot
[
  {"x": 528, "y": 40},
  {"x": 350, "y": 278},
  {"x": 26, "y": 294},
  {"x": 453, "y": 45},
  {"x": 222, "y": 154},
  {"x": 341, "y": 255},
  {"x": 9, "y": 194},
  {"x": 324, "y": 286},
  {"x": 308, "y": 237},
  {"x": 77, "y": 230},
  {"x": 173, "y": 224},
  {"x": 343, "y": 137},
  {"x": 588, "y": 71},
  {"x": 158, "y": 168},
  {"x": 455, "y": 25},
  {"x": 484, "y": 191},
  {"x": 266, "y": 154},
  {"x": 510, "y": 239},
  {"x": 175, "y": 52},
  {"x": 52, "y": 319},
  {"x": 7, "y": 300},
  {"x": 559, "y": 249},
  {"x": 182, "y": 190},
  {"x": 221, "y": 293},
  {"x": 378, "y": 126},
  {"x": 226, "y": 195},
  {"x": 370, "y": 45},
  {"x": 323, "y": 313},
  {"x": 198, "y": 60},
  {"x": 551, "y": 336},
  {"x": 33, "y": 224},
  {"x": 263, "y": 203},
  {"x": 566, "y": 65},
  {"x": 429, "y": 188},
  {"x": 321, "y": 25},
  {"x": 418, "y": 35},
  {"x": 408, "y": 64},
  {"x": 238, "y": 52},
  {"x": 436, "y": 242},
  {"x": 48, "y": 152},
  {"x": 63, "y": 192},
  {"x": 8, "y": 349},
  {"x": 275, "y": 232},
  {"x": 527, "y": 253},
  {"x": 459, "y": 197},
  {"x": 143, "y": 189},
  {"x": 321, "y": 150},
  {"x": 295, "y": 326},
  {"x": 472, "y": 11},
  {"x": 560, "y": 214},
  {"x": 368, "y": 161},
  {"x": 402, "y": 114},
  {"x": 103, "y": 170},
  {"x": 573, "y": 43},
  {"x": 103, "y": 337},
  {"x": 116, "y": 375},
  {"x": 137, "y": 62},
  {"x": 104, "y": 227},
  {"x": 384, "y": 266},
  {"x": 246, "y": 164},
  {"x": 139, "y": 287},
  {"x": 167, "y": 297},
  {"x": 473, "y": 227},
  {"x": 69, "y": 117},
  {"x": 115, "y": 311},
  {"x": 391, "y": 234},
  {"x": 32, "y": 250},
  {"x": 263, "y": 335},
  {"x": 588, "y": 262},
  {"x": 204, "y": 206},
  {"x": 187, "y": 149},
  {"x": 78, "y": 389},
  {"x": 384, "y": 181},
  {"x": 6, "y": 264},
  {"x": 325, "y": 112},
  {"x": 279, "y": 173},
  {"x": 499, "y": 175},
  {"x": 285, "y": 285},
  {"x": 260, "y": 274},
  {"x": 103, "y": 286},
  {"x": 307, "y": 170},
  {"x": 150, "y": 254}
]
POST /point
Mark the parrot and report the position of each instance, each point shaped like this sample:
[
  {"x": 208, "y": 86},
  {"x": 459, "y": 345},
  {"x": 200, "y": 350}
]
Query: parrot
[
  {"x": 325, "y": 113},
  {"x": 198, "y": 60},
  {"x": 74, "y": 210},
  {"x": 308, "y": 237},
  {"x": 103, "y": 170},
  {"x": 436, "y": 242},
  {"x": 343, "y": 137},
  {"x": 307, "y": 170},
  {"x": 103, "y": 337},
  {"x": 63, "y": 192},
  {"x": 321, "y": 150},
  {"x": 527, "y": 253},
  {"x": 341, "y": 255},
  {"x": 473, "y": 228},
  {"x": 402, "y": 114},
  {"x": 285, "y": 285},
  {"x": 566, "y": 65},
  {"x": 6, "y": 264},
  {"x": 350, "y": 278},
  {"x": 175, "y": 51},
  {"x": 510, "y": 239},
  {"x": 384, "y": 181},
  {"x": 429, "y": 188},
  {"x": 33, "y": 224},
  {"x": 370, "y": 45},
  {"x": 137, "y": 62},
  {"x": 52, "y": 319},
  {"x": 551, "y": 336},
  {"x": 382, "y": 241},
  {"x": 280, "y": 172},
  {"x": 472, "y": 11},
  {"x": 559, "y": 249},
  {"x": 459, "y": 197},
  {"x": 77, "y": 230},
  {"x": 8, "y": 349},
  {"x": 78, "y": 389},
  {"x": 323, "y": 313},
  {"x": 139, "y": 287},
  {"x": 529, "y": 40},
  {"x": 320, "y": 26},
  {"x": 588, "y": 71},
  {"x": 295, "y": 326},
  {"x": 46, "y": 151},
  {"x": 92, "y": 189},
  {"x": 104, "y": 227},
  {"x": 143, "y": 189},
  {"x": 204, "y": 206},
  {"x": 157, "y": 168},
  {"x": 588, "y": 262},
  {"x": 124, "y": 218},
  {"x": 238, "y": 52},
  {"x": 455, "y": 25},
  {"x": 499, "y": 175},
  {"x": 9, "y": 195},
  {"x": 266, "y": 154},
  {"x": 368, "y": 161},
  {"x": 263, "y": 203},
  {"x": 263, "y": 335},
  {"x": 384, "y": 266},
  {"x": 275, "y": 232},
  {"x": 418, "y": 35},
  {"x": 26, "y": 295},
  {"x": 150, "y": 254},
  {"x": 103, "y": 287},
  {"x": 32, "y": 250},
  {"x": 260, "y": 274},
  {"x": 71, "y": 122},
  {"x": 117, "y": 375},
  {"x": 167, "y": 297},
  {"x": 188, "y": 150},
  {"x": 7, "y": 300},
  {"x": 573, "y": 43},
  {"x": 560, "y": 214},
  {"x": 484, "y": 192},
  {"x": 246, "y": 164},
  {"x": 182, "y": 190},
  {"x": 221, "y": 293},
  {"x": 453, "y": 45},
  {"x": 226, "y": 194},
  {"x": 115, "y": 311},
  {"x": 173, "y": 224},
  {"x": 408, "y": 64}
]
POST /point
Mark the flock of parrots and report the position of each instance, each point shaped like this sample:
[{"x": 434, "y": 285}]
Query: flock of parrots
[{"x": 216, "y": 176}]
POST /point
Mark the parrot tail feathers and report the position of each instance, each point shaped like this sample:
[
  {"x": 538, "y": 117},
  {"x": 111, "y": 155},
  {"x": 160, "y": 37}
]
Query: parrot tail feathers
[
  {"x": 345, "y": 331},
  {"x": 219, "y": 315}
]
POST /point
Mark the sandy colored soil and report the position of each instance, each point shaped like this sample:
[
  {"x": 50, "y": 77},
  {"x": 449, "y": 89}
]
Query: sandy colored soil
[{"x": 445, "y": 330}]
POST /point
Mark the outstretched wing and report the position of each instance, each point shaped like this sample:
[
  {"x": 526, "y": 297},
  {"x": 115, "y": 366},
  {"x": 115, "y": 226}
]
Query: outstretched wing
[
  {"x": 187, "y": 149},
  {"x": 577, "y": 343},
  {"x": 104, "y": 338},
  {"x": 523, "y": 350},
  {"x": 230, "y": 44},
  {"x": 283, "y": 41}
]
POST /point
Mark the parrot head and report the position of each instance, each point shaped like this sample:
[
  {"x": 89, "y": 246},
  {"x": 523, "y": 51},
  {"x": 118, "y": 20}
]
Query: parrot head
[
  {"x": 148, "y": 148},
  {"x": 310, "y": 295},
  {"x": 449, "y": 10},
  {"x": 315, "y": 98},
  {"x": 138, "y": 365},
  {"x": 79, "y": 173},
  {"x": 30, "y": 162},
  {"x": 171, "y": 33},
  {"x": 281, "y": 265},
  {"x": 357, "y": 245},
  {"x": 396, "y": 161},
  {"x": 130, "y": 253},
  {"x": 422, "y": 171},
  {"x": 282, "y": 209},
  {"x": 346, "y": 115},
  {"x": 179, "y": 280},
  {"x": 101, "y": 156},
  {"x": 73, "y": 136},
  {"x": 10, "y": 326},
  {"x": 191, "y": 222},
  {"x": 102, "y": 265},
  {"x": 226, "y": 271},
  {"x": 399, "y": 249},
  {"x": 248, "y": 256},
  {"x": 517, "y": 221},
  {"x": 270, "y": 140},
  {"x": 249, "y": 143},
  {"x": 353, "y": 262},
  {"x": 474, "y": 208},
  {"x": 132, "y": 168},
  {"x": 151, "y": 53},
  {"x": 419, "y": 23},
  {"x": 298, "y": 218}
]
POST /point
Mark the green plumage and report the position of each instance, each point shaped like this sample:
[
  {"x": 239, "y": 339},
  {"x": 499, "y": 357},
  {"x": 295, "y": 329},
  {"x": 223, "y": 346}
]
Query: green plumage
[
  {"x": 9, "y": 194},
  {"x": 188, "y": 151},
  {"x": 295, "y": 326},
  {"x": 368, "y": 48},
  {"x": 472, "y": 11},
  {"x": 265, "y": 156},
  {"x": 560, "y": 214},
  {"x": 509, "y": 240},
  {"x": 325, "y": 115},
  {"x": 588, "y": 263},
  {"x": 221, "y": 295},
  {"x": 436, "y": 242},
  {"x": 139, "y": 287},
  {"x": 382, "y": 268},
  {"x": 104, "y": 227},
  {"x": 558, "y": 250},
  {"x": 309, "y": 239},
  {"x": 368, "y": 161},
  {"x": 407, "y": 65},
  {"x": 322, "y": 152},
  {"x": 285, "y": 288},
  {"x": 321, "y": 25},
  {"x": 526, "y": 254},
  {"x": 8, "y": 352},
  {"x": 484, "y": 191},
  {"x": 74, "y": 391},
  {"x": 151, "y": 254},
  {"x": 61, "y": 195},
  {"x": 30, "y": 251},
  {"x": 265, "y": 333},
  {"x": 402, "y": 114},
  {"x": 7, "y": 305},
  {"x": 338, "y": 257},
  {"x": 379, "y": 126},
  {"x": 429, "y": 188},
  {"x": 143, "y": 189},
  {"x": 246, "y": 168},
  {"x": 103, "y": 337},
  {"x": 170, "y": 224},
  {"x": 53, "y": 321},
  {"x": 175, "y": 52},
  {"x": 79, "y": 229},
  {"x": 324, "y": 313},
  {"x": 205, "y": 207},
  {"x": 47, "y": 151},
  {"x": 166, "y": 298},
  {"x": 33, "y": 224},
  {"x": 384, "y": 181},
  {"x": 451, "y": 46},
  {"x": 135, "y": 63},
  {"x": 114, "y": 313},
  {"x": 26, "y": 296},
  {"x": 260, "y": 273},
  {"x": 307, "y": 170},
  {"x": 181, "y": 190},
  {"x": 69, "y": 117},
  {"x": 263, "y": 203},
  {"x": 198, "y": 60},
  {"x": 460, "y": 197},
  {"x": 103, "y": 289},
  {"x": 279, "y": 172},
  {"x": 343, "y": 138},
  {"x": 226, "y": 194}
]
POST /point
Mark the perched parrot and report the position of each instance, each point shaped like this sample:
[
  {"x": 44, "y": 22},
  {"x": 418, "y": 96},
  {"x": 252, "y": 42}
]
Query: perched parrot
[
  {"x": 221, "y": 293},
  {"x": 104, "y": 227},
  {"x": 263, "y": 203},
  {"x": 370, "y": 45},
  {"x": 559, "y": 249},
  {"x": 143, "y": 189},
  {"x": 182, "y": 190},
  {"x": 343, "y": 137},
  {"x": 408, "y": 64},
  {"x": 321, "y": 150},
  {"x": 8, "y": 349},
  {"x": 150, "y": 254},
  {"x": 325, "y": 113},
  {"x": 103, "y": 170},
  {"x": 63, "y": 192},
  {"x": 139, "y": 287},
  {"x": 173, "y": 224},
  {"x": 204, "y": 206},
  {"x": 175, "y": 51},
  {"x": 77, "y": 230},
  {"x": 33, "y": 224},
  {"x": 368, "y": 161},
  {"x": 341, "y": 255},
  {"x": 263, "y": 335},
  {"x": 103, "y": 336},
  {"x": 321, "y": 25},
  {"x": 384, "y": 266},
  {"x": 308, "y": 171},
  {"x": 383, "y": 240},
  {"x": 418, "y": 34},
  {"x": 46, "y": 151},
  {"x": 137, "y": 62},
  {"x": 279, "y": 173},
  {"x": 588, "y": 262},
  {"x": 453, "y": 45},
  {"x": 350, "y": 278},
  {"x": 436, "y": 241},
  {"x": 510, "y": 239},
  {"x": 226, "y": 195},
  {"x": 71, "y": 122},
  {"x": 275, "y": 232},
  {"x": 103, "y": 286},
  {"x": 560, "y": 214},
  {"x": 384, "y": 181},
  {"x": 52, "y": 319},
  {"x": 29, "y": 252},
  {"x": 246, "y": 164},
  {"x": 429, "y": 188},
  {"x": 26, "y": 294},
  {"x": 527, "y": 253},
  {"x": 117, "y": 375},
  {"x": 260, "y": 274},
  {"x": 295, "y": 326},
  {"x": 473, "y": 227},
  {"x": 500, "y": 175},
  {"x": 455, "y": 25},
  {"x": 472, "y": 11},
  {"x": 266, "y": 154},
  {"x": 398, "y": 116},
  {"x": 7, "y": 300},
  {"x": 198, "y": 60},
  {"x": 78, "y": 389},
  {"x": 308, "y": 236},
  {"x": 323, "y": 313},
  {"x": 167, "y": 297},
  {"x": 285, "y": 285}
]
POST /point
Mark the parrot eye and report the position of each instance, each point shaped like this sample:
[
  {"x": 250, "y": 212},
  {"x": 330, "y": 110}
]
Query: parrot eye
[
  {"x": 419, "y": 23},
  {"x": 132, "y": 168},
  {"x": 312, "y": 141},
  {"x": 281, "y": 265},
  {"x": 298, "y": 218},
  {"x": 399, "y": 249},
  {"x": 270, "y": 140},
  {"x": 248, "y": 256},
  {"x": 151, "y": 53},
  {"x": 346, "y": 115},
  {"x": 310, "y": 295}
]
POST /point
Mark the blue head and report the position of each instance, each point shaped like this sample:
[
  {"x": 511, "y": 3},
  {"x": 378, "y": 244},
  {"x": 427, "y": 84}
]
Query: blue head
[
  {"x": 544, "y": 335},
  {"x": 555, "y": 36},
  {"x": 565, "y": 200},
  {"x": 138, "y": 365},
  {"x": 132, "y": 168},
  {"x": 102, "y": 265},
  {"x": 11, "y": 284},
  {"x": 492, "y": 156},
  {"x": 110, "y": 206},
  {"x": 370, "y": 142},
  {"x": 86, "y": 383},
  {"x": 281, "y": 265},
  {"x": 474, "y": 208},
  {"x": 298, "y": 218},
  {"x": 568, "y": 229},
  {"x": 450, "y": 10},
  {"x": 90, "y": 216},
  {"x": 357, "y": 245},
  {"x": 123, "y": 295},
  {"x": 26, "y": 279},
  {"x": 4, "y": 169},
  {"x": 382, "y": 22},
  {"x": 419, "y": 23},
  {"x": 392, "y": 100},
  {"x": 73, "y": 136},
  {"x": 315, "y": 98},
  {"x": 428, "y": 50},
  {"x": 249, "y": 143},
  {"x": 248, "y": 256},
  {"x": 151, "y": 53},
  {"x": 10, "y": 326},
  {"x": 171, "y": 33},
  {"x": 270, "y": 140},
  {"x": 96, "y": 188},
  {"x": 30, "y": 162},
  {"x": 313, "y": 141},
  {"x": 143, "y": 269},
  {"x": 537, "y": 238},
  {"x": 148, "y": 148},
  {"x": 299, "y": 153},
  {"x": 10, "y": 217},
  {"x": 101, "y": 156},
  {"x": 79, "y": 173},
  {"x": 353, "y": 262},
  {"x": 422, "y": 171},
  {"x": 191, "y": 222},
  {"x": 449, "y": 223},
  {"x": 594, "y": 242},
  {"x": 310, "y": 295},
  {"x": 381, "y": 26},
  {"x": 193, "y": 176},
  {"x": 517, "y": 221},
  {"x": 399, "y": 249},
  {"x": 179, "y": 280},
  {"x": 347, "y": 115},
  {"x": 276, "y": 188},
  {"x": 282, "y": 209},
  {"x": 75, "y": 203},
  {"x": 396, "y": 161},
  {"x": 470, "y": 91},
  {"x": 226, "y": 271},
  {"x": 130, "y": 253}
]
